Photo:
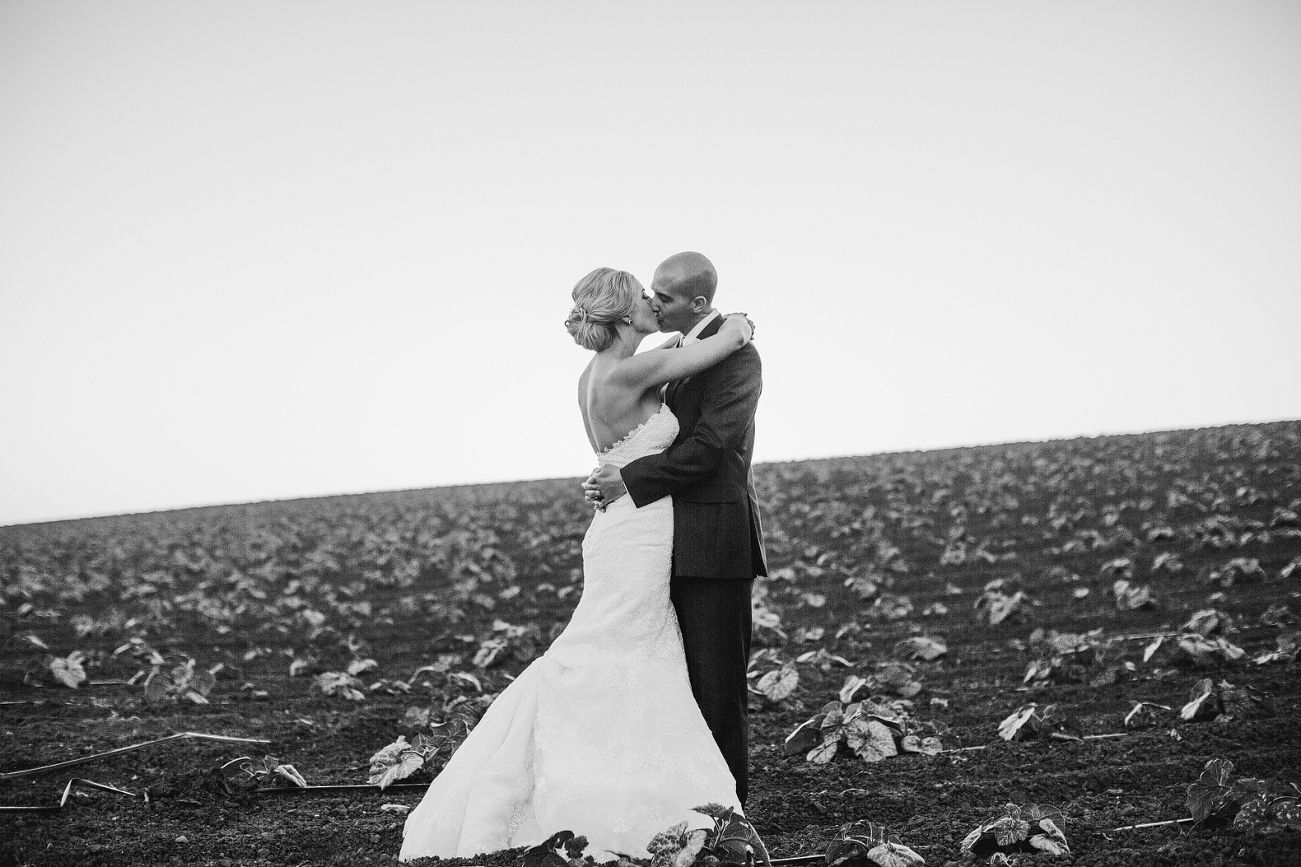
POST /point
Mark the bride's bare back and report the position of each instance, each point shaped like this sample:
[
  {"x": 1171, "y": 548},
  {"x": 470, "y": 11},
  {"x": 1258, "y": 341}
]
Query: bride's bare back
[{"x": 611, "y": 409}]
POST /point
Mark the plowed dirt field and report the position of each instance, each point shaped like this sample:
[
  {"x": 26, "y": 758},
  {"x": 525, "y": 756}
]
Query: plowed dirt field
[{"x": 864, "y": 552}]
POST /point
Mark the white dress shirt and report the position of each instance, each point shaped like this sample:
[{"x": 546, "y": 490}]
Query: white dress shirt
[{"x": 694, "y": 334}]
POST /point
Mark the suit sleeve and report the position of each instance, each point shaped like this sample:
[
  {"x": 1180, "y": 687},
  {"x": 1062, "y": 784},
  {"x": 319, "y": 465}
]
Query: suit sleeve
[{"x": 731, "y": 396}]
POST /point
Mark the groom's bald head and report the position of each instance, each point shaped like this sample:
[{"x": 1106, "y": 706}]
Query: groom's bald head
[
  {"x": 683, "y": 291},
  {"x": 688, "y": 275}
]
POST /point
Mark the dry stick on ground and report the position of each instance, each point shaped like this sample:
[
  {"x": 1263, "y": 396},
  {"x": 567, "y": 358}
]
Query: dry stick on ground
[
  {"x": 1053, "y": 735},
  {"x": 358, "y": 787},
  {"x": 27, "y": 772},
  {"x": 1150, "y": 825},
  {"x": 67, "y": 790}
]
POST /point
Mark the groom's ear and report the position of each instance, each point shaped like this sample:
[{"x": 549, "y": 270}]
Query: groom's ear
[{"x": 698, "y": 303}]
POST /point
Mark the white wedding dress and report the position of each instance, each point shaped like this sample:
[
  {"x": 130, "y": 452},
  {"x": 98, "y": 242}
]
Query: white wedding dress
[{"x": 600, "y": 735}]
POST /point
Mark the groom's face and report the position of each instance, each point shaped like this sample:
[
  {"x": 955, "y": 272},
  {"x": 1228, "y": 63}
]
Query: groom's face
[{"x": 675, "y": 310}]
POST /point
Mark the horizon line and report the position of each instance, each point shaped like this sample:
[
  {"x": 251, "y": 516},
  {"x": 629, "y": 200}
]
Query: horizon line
[{"x": 796, "y": 460}]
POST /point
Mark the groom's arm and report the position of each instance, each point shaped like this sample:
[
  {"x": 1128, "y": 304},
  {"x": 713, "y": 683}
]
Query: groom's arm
[{"x": 727, "y": 408}]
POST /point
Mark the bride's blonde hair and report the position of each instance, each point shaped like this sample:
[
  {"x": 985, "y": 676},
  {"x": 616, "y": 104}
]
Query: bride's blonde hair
[{"x": 601, "y": 299}]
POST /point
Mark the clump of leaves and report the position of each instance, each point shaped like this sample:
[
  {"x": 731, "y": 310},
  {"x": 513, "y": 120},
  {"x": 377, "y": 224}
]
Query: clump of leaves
[
  {"x": 890, "y": 606},
  {"x": 1287, "y": 646},
  {"x": 1239, "y": 570},
  {"x": 996, "y": 604},
  {"x": 1131, "y": 596},
  {"x": 401, "y": 759},
  {"x": 1209, "y": 700},
  {"x": 778, "y": 684},
  {"x": 1279, "y": 615},
  {"x": 731, "y": 840},
  {"x": 873, "y": 729},
  {"x": 822, "y": 659},
  {"x": 1167, "y": 562},
  {"x": 1120, "y": 567},
  {"x": 340, "y": 683},
  {"x": 1255, "y": 806},
  {"x": 179, "y": 681},
  {"x": 866, "y": 843},
  {"x": 1031, "y": 721},
  {"x": 1032, "y": 828},
  {"x": 66, "y": 671},
  {"x": 561, "y": 849},
  {"x": 243, "y": 775},
  {"x": 920, "y": 647},
  {"x": 1202, "y": 650},
  {"x": 1209, "y": 621},
  {"x": 897, "y": 678},
  {"x": 1071, "y": 657}
]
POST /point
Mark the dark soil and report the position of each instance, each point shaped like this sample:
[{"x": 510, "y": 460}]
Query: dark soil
[{"x": 403, "y": 578}]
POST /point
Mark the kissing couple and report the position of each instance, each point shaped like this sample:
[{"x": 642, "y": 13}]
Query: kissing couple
[{"x": 636, "y": 713}]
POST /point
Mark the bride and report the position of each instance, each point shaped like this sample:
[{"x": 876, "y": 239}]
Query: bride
[{"x": 601, "y": 734}]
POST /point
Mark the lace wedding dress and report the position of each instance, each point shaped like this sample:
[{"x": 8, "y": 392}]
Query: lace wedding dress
[{"x": 600, "y": 735}]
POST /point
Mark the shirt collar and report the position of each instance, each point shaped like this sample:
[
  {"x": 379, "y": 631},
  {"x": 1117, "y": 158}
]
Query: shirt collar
[{"x": 694, "y": 334}]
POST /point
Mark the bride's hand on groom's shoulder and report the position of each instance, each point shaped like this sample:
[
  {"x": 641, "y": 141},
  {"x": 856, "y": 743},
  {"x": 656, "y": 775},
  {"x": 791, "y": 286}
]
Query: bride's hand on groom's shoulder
[{"x": 745, "y": 317}]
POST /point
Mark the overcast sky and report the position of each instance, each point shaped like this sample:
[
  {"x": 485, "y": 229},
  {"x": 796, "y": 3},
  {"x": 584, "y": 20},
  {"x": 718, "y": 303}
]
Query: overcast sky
[{"x": 274, "y": 249}]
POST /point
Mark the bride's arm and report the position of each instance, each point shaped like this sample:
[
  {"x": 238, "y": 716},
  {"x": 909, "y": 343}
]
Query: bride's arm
[{"x": 658, "y": 366}]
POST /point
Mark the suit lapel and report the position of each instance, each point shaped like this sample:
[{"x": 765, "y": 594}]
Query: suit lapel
[{"x": 708, "y": 331}]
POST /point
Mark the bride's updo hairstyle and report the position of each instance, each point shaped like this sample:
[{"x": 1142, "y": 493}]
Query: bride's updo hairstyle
[{"x": 601, "y": 299}]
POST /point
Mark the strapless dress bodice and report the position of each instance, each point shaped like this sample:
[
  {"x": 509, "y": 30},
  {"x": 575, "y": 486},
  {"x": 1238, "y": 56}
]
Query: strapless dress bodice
[{"x": 651, "y": 437}]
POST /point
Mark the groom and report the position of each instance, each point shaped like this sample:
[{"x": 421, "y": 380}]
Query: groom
[{"x": 717, "y": 535}]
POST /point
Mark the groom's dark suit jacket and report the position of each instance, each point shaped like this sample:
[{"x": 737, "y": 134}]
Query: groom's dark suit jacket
[{"x": 716, "y": 528}]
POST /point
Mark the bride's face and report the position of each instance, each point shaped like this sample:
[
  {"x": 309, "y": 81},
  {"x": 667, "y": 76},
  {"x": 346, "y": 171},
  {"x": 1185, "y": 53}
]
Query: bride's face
[{"x": 643, "y": 316}]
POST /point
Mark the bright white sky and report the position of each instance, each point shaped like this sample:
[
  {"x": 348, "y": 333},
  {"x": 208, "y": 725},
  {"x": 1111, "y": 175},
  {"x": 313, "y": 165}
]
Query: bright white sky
[{"x": 263, "y": 250}]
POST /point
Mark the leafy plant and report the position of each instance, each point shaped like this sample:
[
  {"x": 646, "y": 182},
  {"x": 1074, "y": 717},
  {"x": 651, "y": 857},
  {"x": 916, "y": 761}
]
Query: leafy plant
[
  {"x": 1287, "y": 646},
  {"x": 401, "y": 759},
  {"x": 867, "y": 843},
  {"x": 180, "y": 681},
  {"x": 561, "y": 849},
  {"x": 872, "y": 729},
  {"x": 1030, "y": 721},
  {"x": 1032, "y": 828},
  {"x": 920, "y": 647},
  {"x": 244, "y": 775},
  {"x": 1208, "y": 700},
  {"x": 340, "y": 683},
  {"x": 995, "y": 605},
  {"x": 1131, "y": 596},
  {"x": 898, "y": 678},
  {"x": 1209, "y": 621},
  {"x": 778, "y": 684},
  {"x": 1071, "y": 657},
  {"x": 66, "y": 671},
  {"x": 1239, "y": 570},
  {"x": 731, "y": 840},
  {"x": 1253, "y": 805},
  {"x": 1193, "y": 648}
]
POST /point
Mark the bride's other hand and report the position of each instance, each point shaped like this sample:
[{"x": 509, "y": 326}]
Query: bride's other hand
[
  {"x": 743, "y": 321},
  {"x": 604, "y": 486}
]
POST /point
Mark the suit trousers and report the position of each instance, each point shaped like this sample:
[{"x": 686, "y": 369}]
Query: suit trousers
[{"x": 714, "y": 614}]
